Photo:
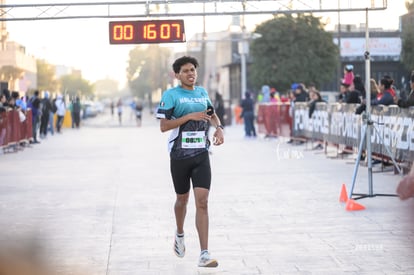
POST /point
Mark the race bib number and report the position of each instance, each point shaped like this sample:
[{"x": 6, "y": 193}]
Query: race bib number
[{"x": 195, "y": 139}]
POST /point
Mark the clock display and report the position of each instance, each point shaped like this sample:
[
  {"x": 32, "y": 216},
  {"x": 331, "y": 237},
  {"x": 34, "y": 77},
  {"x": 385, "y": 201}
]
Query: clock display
[{"x": 148, "y": 31}]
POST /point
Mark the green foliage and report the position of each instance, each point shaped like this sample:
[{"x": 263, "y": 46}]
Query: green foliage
[
  {"x": 46, "y": 79},
  {"x": 148, "y": 69},
  {"x": 409, "y": 5},
  {"x": 292, "y": 49},
  {"x": 407, "y": 53},
  {"x": 74, "y": 84},
  {"x": 106, "y": 88}
]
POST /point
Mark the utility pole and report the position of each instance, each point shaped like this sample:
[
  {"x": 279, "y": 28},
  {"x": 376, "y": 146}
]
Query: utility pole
[{"x": 243, "y": 51}]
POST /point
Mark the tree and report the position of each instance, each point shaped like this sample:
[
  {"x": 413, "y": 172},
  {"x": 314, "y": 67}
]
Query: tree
[
  {"x": 46, "y": 78},
  {"x": 148, "y": 70},
  {"x": 74, "y": 84},
  {"x": 407, "y": 53},
  {"x": 106, "y": 87},
  {"x": 292, "y": 49},
  {"x": 409, "y": 5}
]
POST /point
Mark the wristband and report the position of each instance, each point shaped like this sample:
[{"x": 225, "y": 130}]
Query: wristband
[{"x": 220, "y": 126}]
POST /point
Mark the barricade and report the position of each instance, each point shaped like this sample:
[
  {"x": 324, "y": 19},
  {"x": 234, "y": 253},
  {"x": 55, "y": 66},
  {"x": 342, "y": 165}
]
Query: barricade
[
  {"x": 3, "y": 129},
  {"x": 12, "y": 130},
  {"x": 273, "y": 119},
  {"x": 338, "y": 124}
]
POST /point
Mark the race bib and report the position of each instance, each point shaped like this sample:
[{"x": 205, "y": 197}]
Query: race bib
[{"x": 194, "y": 139}]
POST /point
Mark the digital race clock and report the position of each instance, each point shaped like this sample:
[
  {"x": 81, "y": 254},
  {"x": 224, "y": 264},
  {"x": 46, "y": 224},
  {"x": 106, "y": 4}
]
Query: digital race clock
[{"x": 148, "y": 31}]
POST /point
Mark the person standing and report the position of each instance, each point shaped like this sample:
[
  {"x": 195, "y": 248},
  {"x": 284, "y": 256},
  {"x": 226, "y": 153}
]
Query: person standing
[
  {"x": 187, "y": 110},
  {"x": 112, "y": 106},
  {"x": 119, "y": 108},
  {"x": 349, "y": 75},
  {"x": 52, "y": 116},
  {"x": 46, "y": 108},
  {"x": 247, "y": 114},
  {"x": 409, "y": 101},
  {"x": 76, "y": 109},
  {"x": 60, "y": 112},
  {"x": 34, "y": 105},
  {"x": 386, "y": 95},
  {"x": 138, "y": 113}
]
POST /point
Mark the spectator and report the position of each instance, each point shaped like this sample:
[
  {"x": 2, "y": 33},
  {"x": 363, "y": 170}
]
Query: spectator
[
  {"x": 70, "y": 108},
  {"x": 300, "y": 93},
  {"x": 6, "y": 93},
  {"x": 385, "y": 97},
  {"x": 359, "y": 86},
  {"x": 34, "y": 105},
  {"x": 274, "y": 95},
  {"x": 51, "y": 126},
  {"x": 409, "y": 101},
  {"x": 119, "y": 108},
  {"x": 247, "y": 114},
  {"x": 375, "y": 92},
  {"x": 348, "y": 94},
  {"x": 21, "y": 103},
  {"x": 44, "y": 118},
  {"x": 112, "y": 106},
  {"x": 266, "y": 93},
  {"x": 3, "y": 102},
  {"x": 348, "y": 75},
  {"x": 374, "y": 88},
  {"x": 60, "y": 111},
  {"x": 138, "y": 113},
  {"x": 315, "y": 97},
  {"x": 76, "y": 109},
  {"x": 353, "y": 97},
  {"x": 13, "y": 99}
]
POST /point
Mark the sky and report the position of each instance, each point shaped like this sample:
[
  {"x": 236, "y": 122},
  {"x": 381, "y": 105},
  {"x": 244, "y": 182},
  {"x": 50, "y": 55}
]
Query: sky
[{"x": 84, "y": 43}]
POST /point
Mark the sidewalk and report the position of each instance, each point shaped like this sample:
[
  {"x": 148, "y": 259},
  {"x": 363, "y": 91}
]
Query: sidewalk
[{"x": 100, "y": 200}]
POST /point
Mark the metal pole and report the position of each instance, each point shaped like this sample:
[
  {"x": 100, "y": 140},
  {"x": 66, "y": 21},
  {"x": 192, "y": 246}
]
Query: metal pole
[
  {"x": 243, "y": 50},
  {"x": 368, "y": 105},
  {"x": 340, "y": 69},
  {"x": 243, "y": 70}
]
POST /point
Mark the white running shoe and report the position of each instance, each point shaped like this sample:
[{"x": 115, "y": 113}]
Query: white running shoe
[
  {"x": 206, "y": 260},
  {"x": 179, "y": 247}
]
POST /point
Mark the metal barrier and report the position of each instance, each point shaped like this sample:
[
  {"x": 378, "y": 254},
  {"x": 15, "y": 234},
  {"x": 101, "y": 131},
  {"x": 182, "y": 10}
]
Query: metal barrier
[
  {"x": 12, "y": 130},
  {"x": 274, "y": 119},
  {"x": 338, "y": 124}
]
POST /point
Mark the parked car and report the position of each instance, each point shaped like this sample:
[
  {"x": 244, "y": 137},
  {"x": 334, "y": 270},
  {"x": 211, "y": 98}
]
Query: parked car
[{"x": 89, "y": 109}]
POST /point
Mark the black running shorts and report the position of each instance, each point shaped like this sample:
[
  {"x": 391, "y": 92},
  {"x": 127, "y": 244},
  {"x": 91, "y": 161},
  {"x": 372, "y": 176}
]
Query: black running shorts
[{"x": 197, "y": 169}]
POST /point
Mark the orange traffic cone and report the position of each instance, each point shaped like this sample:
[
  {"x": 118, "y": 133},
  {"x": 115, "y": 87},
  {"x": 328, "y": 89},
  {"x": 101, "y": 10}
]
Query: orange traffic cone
[
  {"x": 352, "y": 205},
  {"x": 343, "y": 197}
]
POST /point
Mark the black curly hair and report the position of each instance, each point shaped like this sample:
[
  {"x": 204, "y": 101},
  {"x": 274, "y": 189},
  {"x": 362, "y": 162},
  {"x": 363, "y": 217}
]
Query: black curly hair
[{"x": 182, "y": 61}]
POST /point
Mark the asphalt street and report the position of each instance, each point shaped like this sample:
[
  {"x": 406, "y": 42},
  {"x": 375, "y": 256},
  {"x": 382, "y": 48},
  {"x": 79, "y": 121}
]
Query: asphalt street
[{"x": 99, "y": 200}]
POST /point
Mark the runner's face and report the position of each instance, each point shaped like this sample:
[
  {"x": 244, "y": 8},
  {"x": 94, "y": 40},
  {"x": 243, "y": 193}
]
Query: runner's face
[{"x": 187, "y": 76}]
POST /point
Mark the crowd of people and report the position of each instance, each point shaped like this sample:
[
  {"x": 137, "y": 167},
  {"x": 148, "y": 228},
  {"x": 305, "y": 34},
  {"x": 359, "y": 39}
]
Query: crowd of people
[
  {"x": 47, "y": 113},
  {"x": 352, "y": 91}
]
